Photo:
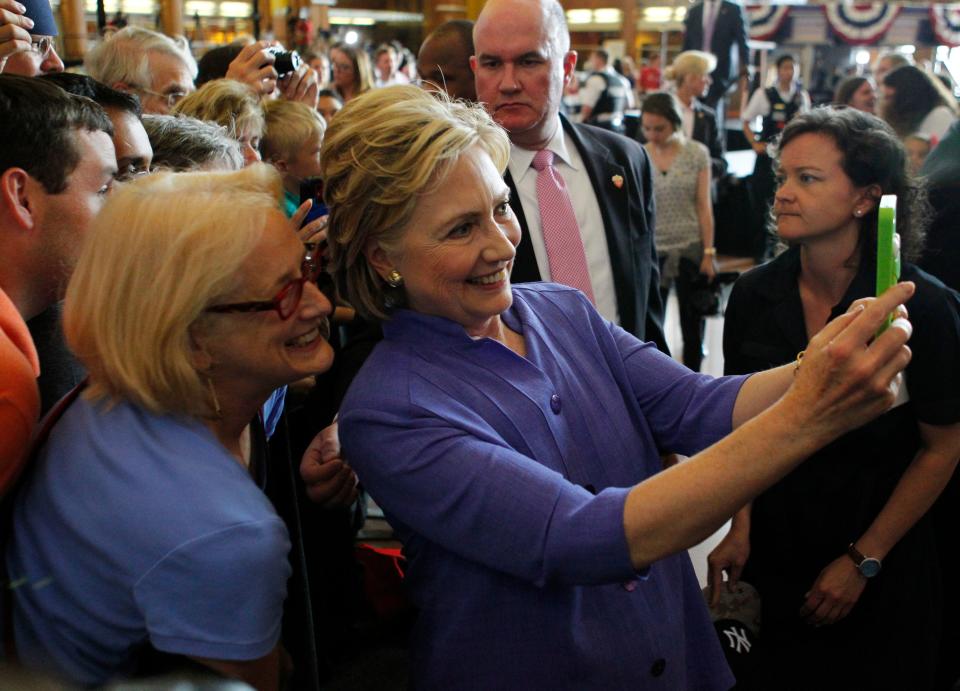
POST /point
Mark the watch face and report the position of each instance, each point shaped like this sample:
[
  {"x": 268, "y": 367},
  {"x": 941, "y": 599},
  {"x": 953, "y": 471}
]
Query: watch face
[{"x": 870, "y": 567}]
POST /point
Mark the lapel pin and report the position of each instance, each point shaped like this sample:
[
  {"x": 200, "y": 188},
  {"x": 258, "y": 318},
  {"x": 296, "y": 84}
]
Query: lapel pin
[{"x": 617, "y": 181}]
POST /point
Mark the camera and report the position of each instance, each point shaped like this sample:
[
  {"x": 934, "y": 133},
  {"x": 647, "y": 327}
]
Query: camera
[{"x": 285, "y": 61}]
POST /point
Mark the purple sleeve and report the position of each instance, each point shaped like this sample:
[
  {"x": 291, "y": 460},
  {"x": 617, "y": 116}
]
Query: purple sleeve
[
  {"x": 484, "y": 501},
  {"x": 687, "y": 411},
  {"x": 219, "y": 596}
]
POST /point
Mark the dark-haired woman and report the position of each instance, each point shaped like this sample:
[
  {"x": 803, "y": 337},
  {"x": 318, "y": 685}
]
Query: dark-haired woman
[
  {"x": 841, "y": 549},
  {"x": 856, "y": 92},
  {"x": 681, "y": 187},
  {"x": 916, "y": 102}
]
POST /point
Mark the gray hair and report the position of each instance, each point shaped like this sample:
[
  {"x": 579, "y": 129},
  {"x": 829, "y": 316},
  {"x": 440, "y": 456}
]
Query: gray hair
[
  {"x": 124, "y": 57},
  {"x": 181, "y": 143}
]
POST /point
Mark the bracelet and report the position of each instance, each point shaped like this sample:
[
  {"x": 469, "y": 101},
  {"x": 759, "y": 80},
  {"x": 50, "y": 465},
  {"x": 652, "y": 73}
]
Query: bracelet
[
  {"x": 710, "y": 251},
  {"x": 796, "y": 363}
]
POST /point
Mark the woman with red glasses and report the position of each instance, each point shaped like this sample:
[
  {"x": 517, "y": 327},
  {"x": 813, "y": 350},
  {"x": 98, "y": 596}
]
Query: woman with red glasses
[{"x": 142, "y": 524}]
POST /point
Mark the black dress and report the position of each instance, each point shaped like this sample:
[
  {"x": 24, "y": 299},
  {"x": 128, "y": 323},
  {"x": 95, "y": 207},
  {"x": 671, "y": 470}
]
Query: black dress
[{"x": 807, "y": 520}]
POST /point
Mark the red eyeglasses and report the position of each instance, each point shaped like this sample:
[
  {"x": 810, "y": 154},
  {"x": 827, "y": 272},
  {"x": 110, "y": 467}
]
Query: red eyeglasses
[{"x": 287, "y": 300}]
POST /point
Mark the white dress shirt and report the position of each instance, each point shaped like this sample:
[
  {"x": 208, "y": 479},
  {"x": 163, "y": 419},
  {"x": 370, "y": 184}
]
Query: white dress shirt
[{"x": 569, "y": 164}]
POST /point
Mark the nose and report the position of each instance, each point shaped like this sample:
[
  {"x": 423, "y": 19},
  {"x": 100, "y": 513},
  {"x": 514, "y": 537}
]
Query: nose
[
  {"x": 52, "y": 63},
  {"x": 314, "y": 303},
  {"x": 508, "y": 79},
  {"x": 502, "y": 242},
  {"x": 250, "y": 154}
]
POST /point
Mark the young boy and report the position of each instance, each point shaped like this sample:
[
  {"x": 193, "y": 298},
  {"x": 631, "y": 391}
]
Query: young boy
[{"x": 291, "y": 143}]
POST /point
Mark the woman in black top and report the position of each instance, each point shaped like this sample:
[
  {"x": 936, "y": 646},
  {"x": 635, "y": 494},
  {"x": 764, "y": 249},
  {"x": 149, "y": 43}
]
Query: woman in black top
[{"x": 841, "y": 550}]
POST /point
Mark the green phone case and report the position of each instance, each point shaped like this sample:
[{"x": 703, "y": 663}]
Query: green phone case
[{"x": 888, "y": 248}]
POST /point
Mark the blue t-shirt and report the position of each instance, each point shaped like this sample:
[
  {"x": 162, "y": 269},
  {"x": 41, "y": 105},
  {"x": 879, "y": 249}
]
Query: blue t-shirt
[
  {"x": 137, "y": 528},
  {"x": 506, "y": 478}
]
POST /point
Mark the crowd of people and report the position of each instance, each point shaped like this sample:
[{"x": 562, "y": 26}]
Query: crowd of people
[{"x": 242, "y": 294}]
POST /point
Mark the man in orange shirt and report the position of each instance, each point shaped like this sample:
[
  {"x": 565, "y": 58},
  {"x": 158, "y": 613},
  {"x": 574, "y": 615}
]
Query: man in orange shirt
[{"x": 57, "y": 164}]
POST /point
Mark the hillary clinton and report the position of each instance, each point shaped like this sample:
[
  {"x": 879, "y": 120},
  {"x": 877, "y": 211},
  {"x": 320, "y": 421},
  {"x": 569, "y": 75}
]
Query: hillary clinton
[{"x": 513, "y": 436}]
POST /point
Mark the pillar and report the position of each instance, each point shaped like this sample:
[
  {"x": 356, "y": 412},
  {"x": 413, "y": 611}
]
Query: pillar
[
  {"x": 171, "y": 17},
  {"x": 73, "y": 29}
]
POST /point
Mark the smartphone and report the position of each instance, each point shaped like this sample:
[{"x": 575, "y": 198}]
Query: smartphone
[
  {"x": 888, "y": 249},
  {"x": 312, "y": 188}
]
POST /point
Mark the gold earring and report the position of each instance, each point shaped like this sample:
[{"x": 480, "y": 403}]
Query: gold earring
[
  {"x": 394, "y": 279},
  {"x": 217, "y": 412}
]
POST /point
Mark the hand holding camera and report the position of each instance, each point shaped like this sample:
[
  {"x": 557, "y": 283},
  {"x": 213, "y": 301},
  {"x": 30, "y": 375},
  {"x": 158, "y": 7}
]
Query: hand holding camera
[{"x": 257, "y": 65}]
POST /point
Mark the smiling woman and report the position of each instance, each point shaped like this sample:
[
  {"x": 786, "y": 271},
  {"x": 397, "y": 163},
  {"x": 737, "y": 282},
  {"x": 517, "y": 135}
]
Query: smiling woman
[
  {"x": 187, "y": 331},
  {"x": 513, "y": 436}
]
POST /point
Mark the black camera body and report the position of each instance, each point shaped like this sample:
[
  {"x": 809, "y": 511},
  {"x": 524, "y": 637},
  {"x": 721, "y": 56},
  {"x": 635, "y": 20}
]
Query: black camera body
[{"x": 285, "y": 61}]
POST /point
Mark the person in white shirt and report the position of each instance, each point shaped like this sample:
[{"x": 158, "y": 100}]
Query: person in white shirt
[
  {"x": 916, "y": 102},
  {"x": 777, "y": 105}
]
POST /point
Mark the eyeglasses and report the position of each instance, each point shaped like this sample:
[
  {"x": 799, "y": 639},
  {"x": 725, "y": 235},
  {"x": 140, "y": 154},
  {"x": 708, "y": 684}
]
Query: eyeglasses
[
  {"x": 287, "y": 300},
  {"x": 171, "y": 99},
  {"x": 42, "y": 46}
]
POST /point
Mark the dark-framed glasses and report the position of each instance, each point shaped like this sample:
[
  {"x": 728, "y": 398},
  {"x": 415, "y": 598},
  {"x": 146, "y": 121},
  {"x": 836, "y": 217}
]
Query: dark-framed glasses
[
  {"x": 285, "y": 302},
  {"x": 41, "y": 45}
]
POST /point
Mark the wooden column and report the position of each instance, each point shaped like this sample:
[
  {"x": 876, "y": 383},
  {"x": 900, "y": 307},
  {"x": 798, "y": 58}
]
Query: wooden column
[
  {"x": 73, "y": 29},
  {"x": 171, "y": 17},
  {"x": 629, "y": 28}
]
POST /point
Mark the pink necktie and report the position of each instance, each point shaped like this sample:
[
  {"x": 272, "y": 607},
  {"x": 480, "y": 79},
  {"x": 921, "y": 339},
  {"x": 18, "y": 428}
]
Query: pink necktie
[
  {"x": 712, "y": 9},
  {"x": 561, "y": 234}
]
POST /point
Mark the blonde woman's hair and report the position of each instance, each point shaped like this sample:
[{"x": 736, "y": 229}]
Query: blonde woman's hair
[
  {"x": 290, "y": 126},
  {"x": 226, "y": 102},
  {"x": 690, "y": 62},
  {"x": 383, "y": 151},
  {"x": 163, "y": 248}
]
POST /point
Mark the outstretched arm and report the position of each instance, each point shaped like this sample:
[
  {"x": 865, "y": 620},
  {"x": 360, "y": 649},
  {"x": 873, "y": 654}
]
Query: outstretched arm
[{"x": 847, "y": 378}]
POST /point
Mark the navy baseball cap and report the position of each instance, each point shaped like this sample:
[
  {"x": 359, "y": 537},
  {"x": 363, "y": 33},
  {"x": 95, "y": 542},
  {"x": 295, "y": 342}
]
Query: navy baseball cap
[{"x": 41, "y": 14}]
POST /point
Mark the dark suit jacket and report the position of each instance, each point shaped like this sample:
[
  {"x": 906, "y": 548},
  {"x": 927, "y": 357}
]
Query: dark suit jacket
[
  {"x": 707, "y": 132},
  {"x": 628, "y": 221},
  {"x": 729, "y": 31}
]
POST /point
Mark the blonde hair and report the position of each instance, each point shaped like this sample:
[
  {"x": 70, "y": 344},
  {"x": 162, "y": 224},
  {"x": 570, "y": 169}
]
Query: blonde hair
[
  {"x": 226, "y": 102},
  {"x": 289, "y": 127},
  {"x": 383, "y": 151},
  {"x": 690, "y": 62},
  {"x": 162, "y": 249}
]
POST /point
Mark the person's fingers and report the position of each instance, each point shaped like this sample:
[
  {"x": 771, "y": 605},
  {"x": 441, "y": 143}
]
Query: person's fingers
[
  {"x": 320, "y": 472},
  {"x": 714, "y": 578},
  {"x": 11, "y": 17},
  {"x": 733, "y": 576},
  {"x": 346, "y": 492},
  {"x": 862, "y": 329},
  {"x": 301, "y": 213},
  {"x": 315, "y": 231}
]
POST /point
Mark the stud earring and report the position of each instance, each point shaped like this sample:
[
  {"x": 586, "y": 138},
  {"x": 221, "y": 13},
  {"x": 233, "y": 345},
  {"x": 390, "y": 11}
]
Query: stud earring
[
  {"x": 858, "y": 213},
  {"x": 394, "y": 279}
]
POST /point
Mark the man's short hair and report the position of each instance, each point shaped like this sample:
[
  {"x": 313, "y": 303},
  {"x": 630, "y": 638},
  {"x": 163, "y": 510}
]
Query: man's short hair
[
  {"x": 459, "y": 28},
  {"x": 37, "y": 122},
  {"x": 125, "y": 57},
  {"x": 602, "y": 55},
  {"x": 99, "y": 93},
  {"x": 181, "y": 143},
  {"x": 290, "y": 126}
]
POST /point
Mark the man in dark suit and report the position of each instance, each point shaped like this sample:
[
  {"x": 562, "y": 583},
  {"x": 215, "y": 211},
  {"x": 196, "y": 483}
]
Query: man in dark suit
[
  {"x": 522, "y": 63},
  {"x": 719, "y": 27}
]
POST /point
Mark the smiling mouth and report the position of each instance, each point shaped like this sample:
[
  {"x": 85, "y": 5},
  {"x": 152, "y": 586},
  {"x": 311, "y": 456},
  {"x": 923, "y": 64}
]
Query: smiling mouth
[
  {"x": 322, "y": 330},
  {"x": 490, "y": 279}
]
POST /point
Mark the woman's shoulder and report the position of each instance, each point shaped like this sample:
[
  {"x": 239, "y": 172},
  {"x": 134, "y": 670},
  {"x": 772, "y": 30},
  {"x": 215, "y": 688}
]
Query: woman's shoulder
[{"x": 769, "y": 277}]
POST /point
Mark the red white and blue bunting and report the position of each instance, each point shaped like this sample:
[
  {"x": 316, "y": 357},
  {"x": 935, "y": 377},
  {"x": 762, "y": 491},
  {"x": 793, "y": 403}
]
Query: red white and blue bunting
[
  {"x": 945, "y": 20},
  {"x": 766, "y": 20},
  {"x": 861, "y": 23}
]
